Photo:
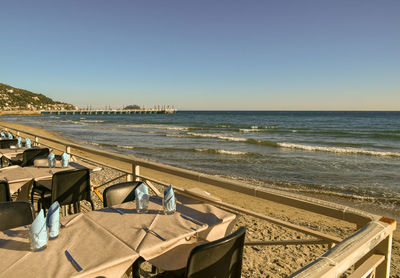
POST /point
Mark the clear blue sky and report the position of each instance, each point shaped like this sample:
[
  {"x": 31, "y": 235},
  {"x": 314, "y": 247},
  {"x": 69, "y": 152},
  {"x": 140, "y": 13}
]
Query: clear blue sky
[{"x": 264, "y": 55}]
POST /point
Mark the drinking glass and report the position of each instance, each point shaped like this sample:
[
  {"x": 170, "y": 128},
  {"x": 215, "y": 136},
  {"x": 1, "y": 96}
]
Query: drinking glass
[{"x": 142, "y": 203}]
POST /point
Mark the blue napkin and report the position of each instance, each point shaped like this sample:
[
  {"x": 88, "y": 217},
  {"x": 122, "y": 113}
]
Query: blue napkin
[
  {"x": 28, "y": 143},
  {"x": 10, "y": 136},
  {"x": 64, "y": 160},
  {"x": 142, "y": 196},
  {"x": 2, "y": 135},
  {"x": 169, "y": 199},
  {"x": 53, "y": 219},
  {"x": 52, "y": 160},
  {"x": 19, "y": 143},
  {"x": 38, "y": 232}
]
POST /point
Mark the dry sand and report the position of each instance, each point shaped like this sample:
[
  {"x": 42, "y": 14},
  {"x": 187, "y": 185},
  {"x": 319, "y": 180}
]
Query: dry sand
[{"x": 259, "y": 261}]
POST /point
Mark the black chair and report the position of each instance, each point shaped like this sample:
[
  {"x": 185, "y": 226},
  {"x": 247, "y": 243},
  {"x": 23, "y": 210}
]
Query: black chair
[
  {"x": 4, "y": 191},
  {"x": 29, "y": 156},
  {"x": 119, "y": 193},
  {"x": 221, "y": 258},
  {"x": 15, "y": 214},
  {"x": 7, "y": 143},
  {"x": 67, "y": 187}
]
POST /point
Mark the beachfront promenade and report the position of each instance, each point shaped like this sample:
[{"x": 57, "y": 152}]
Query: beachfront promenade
[{"x": 109, "y": 111}]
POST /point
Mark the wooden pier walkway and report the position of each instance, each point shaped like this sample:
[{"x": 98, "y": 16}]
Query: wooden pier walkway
[{"x": 108, "y": 112}]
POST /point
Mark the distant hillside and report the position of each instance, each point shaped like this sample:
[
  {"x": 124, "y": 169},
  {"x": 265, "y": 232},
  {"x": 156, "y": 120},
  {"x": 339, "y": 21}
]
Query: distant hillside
[{"x": 13, "y": 99}]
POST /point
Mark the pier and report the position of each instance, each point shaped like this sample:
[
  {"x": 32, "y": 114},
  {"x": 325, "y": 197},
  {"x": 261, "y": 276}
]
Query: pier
[{"x": 109, "y": 111}]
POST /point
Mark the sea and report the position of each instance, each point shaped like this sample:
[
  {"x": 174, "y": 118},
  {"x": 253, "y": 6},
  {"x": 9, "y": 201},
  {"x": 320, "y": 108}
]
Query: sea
[{"x": 350, "y": 157}]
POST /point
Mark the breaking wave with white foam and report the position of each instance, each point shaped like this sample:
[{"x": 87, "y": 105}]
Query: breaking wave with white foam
[
  {"x": 210, "y": 135},
  {"x": 338, "y": 150},
  {"x": 221, "y": 151}
]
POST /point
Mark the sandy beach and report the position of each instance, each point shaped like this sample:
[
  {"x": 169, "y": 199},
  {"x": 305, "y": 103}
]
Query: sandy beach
[{"x": 259, "y": 261}]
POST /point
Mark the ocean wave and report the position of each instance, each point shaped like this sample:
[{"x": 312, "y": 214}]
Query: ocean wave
[
  {"x": 255, "y": 128},
  {"x": 125, "y": 147},
  {"x": 92, "y": 121},
  {"x": 262, "y": 142},
  {"x": 92, "y": 143},
  {"x": 213, "y": 151},
  {"x": 221, "y": 151},
  {"x": 177, "y": 135},
  {"x": 250, "y": 130},
  {"x": 153, "y": 126},
  {"x": 337, "y": 150},
  {"x": 73, "y": 122},
  {"x": 219, "y": 136}
]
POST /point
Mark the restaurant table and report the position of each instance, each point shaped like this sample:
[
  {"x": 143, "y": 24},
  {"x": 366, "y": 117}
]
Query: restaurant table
[
  {"x": 22, "y": 177},
  {"x": 105, "y": 242},
  {"x": 12, "y": 153}
]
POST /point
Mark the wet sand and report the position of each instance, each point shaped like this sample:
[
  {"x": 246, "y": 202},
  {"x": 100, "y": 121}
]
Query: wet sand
[{"x": 259, "y": 261}]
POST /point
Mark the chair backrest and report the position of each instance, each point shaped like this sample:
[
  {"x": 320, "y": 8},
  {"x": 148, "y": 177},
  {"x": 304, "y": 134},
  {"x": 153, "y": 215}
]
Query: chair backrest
[
  {"x": 71, "y": 186},
  {"x": 29, "y": 155},
  {"x": 4, "y": 191},
  {"x": 221, "y": 258},
  {"x": 15, "y": 214},
  {"x": 119, "y": 193},
  {"x": 7, "y": 143}
]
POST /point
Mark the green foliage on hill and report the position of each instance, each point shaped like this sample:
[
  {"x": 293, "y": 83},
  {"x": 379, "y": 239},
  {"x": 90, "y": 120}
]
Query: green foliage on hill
[
  {"x": 131, "y": 107},
  {"x": 19, "y": 99}
]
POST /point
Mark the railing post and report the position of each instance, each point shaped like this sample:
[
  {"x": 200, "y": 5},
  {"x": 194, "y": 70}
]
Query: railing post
[
  {"x": 130, "y": 177},
  {"x": 135, "y": 173},
  {"x": 385, "y": 248}
]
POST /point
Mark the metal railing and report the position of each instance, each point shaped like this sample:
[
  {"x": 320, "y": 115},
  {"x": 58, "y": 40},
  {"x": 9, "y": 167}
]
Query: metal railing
[{"x": 367, "y": 251}]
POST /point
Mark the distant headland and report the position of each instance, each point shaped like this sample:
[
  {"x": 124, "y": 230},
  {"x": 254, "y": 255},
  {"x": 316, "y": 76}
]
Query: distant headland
[{"x": 15, "y": 101}]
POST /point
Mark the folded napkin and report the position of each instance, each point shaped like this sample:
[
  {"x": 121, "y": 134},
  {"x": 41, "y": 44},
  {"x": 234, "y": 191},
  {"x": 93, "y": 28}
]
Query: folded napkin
[
  {"x": 38, "y": 232},
  {"x": 169, "y": 200},
  {"x": 53, "y": 219},
  {"x": 28, "y": 143},
  {"x": 52, "y": 159},
  {"x": 10, "y": 136},
  {"x": 64, "y": 160},
  {"x": 142, "y": 197},
  {"x": 19, "y": 143},
  {"x": 2, "y": 135}
]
